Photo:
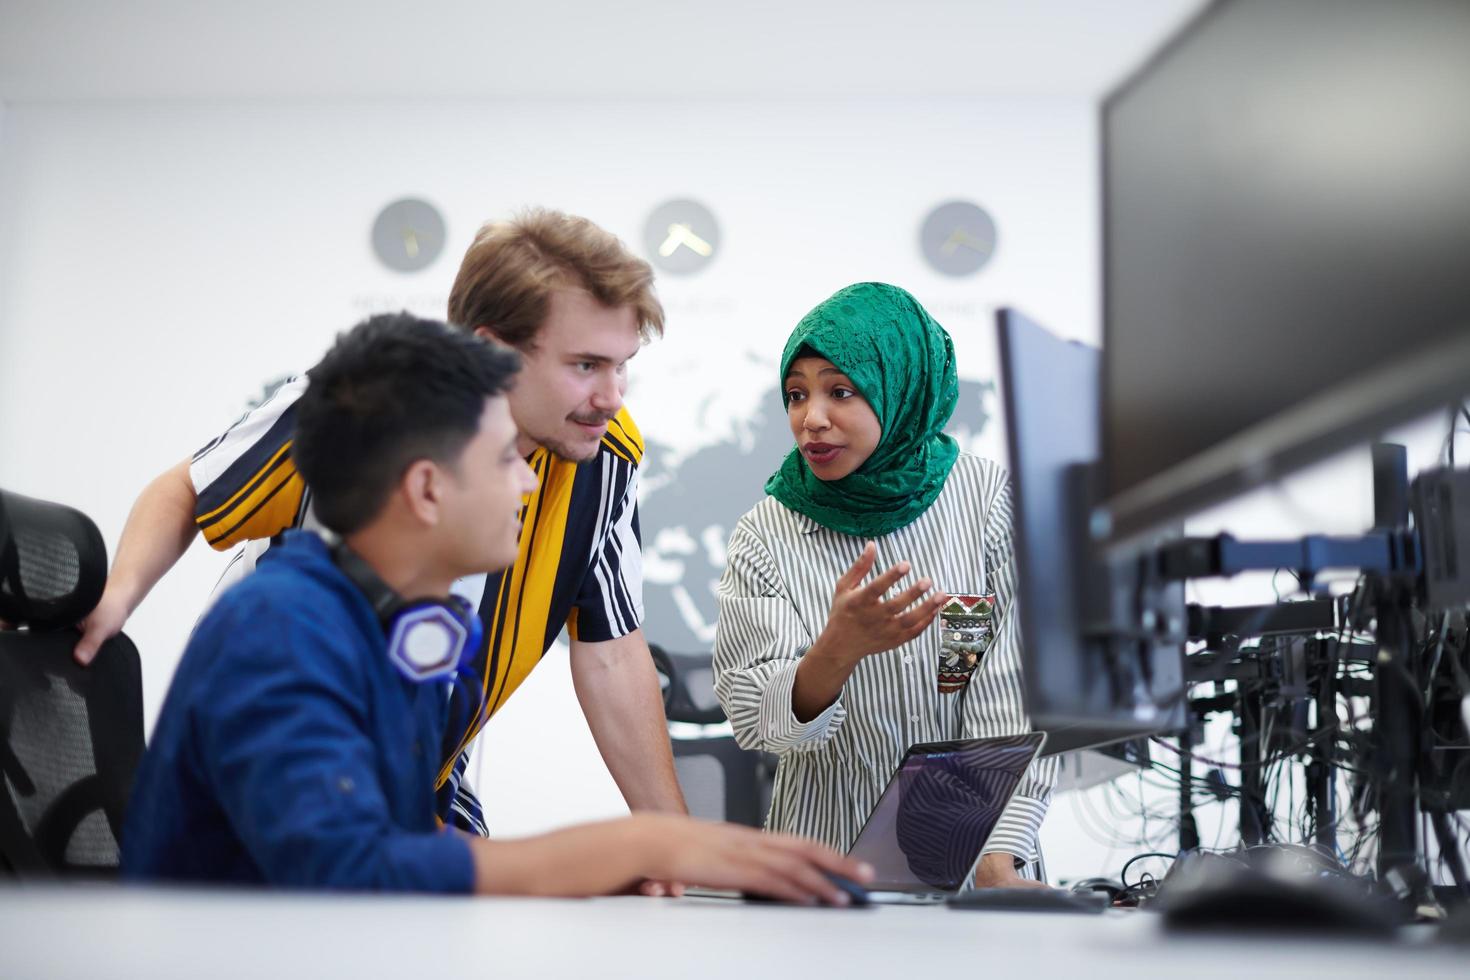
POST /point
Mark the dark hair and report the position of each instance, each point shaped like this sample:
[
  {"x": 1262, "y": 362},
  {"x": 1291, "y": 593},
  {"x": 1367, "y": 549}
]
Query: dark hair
[
  {"x": 805, "y": 350},
  {"x": 392, "y": 390}
]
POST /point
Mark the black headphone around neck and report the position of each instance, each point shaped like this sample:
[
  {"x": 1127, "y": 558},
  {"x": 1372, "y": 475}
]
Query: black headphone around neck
[{"x": 428, "y": 639}]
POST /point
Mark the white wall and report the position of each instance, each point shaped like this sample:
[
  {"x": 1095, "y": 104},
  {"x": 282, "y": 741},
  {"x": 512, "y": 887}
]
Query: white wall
[{"x": 160, "y": 262}]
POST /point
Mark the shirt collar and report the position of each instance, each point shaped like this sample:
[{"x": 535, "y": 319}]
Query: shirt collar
[{"x": 805, "y": 524}]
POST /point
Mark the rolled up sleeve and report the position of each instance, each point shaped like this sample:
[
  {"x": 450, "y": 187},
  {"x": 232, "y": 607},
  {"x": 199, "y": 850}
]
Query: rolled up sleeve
[{"x": 758, "y": 646}]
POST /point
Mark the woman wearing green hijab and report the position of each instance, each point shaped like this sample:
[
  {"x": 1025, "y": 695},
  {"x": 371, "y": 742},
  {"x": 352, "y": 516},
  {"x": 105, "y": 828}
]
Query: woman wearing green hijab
[{"x": 838, "y": 670}]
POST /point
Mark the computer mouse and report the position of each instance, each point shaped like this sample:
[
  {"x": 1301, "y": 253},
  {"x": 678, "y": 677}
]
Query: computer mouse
[
  {"x": 1210, "y": 892},
  {"x": 857, "y": 895},
  {"x": 1112, "y": 888}
]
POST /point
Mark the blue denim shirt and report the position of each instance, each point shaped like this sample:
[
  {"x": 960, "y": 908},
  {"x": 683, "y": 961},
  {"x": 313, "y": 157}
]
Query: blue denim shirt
[{"x": 290, "y": 751}]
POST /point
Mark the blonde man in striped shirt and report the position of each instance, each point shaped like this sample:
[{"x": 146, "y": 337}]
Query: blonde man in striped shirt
[
  {"x": 836, "y": 672},
  {"x": 578, "y": 306}
]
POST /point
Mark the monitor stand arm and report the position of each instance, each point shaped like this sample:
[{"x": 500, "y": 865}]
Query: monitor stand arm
[{"x": 1392, "y": 559}]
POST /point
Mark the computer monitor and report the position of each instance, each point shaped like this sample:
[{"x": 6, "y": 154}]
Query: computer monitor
[
  {"x": 1091, "y": 676},
  {"x": 1286, "y": 216}
]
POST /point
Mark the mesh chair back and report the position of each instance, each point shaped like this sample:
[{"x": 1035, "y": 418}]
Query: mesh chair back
[
  {"x": 720, "y": 780},
  {"x": 53, "y": 563},
  {"x": 688, "y": 681},
  {"x": 70, "y": 741},
  {"x": 70, "y": 736}
]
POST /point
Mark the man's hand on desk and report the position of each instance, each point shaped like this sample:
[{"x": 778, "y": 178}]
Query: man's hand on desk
[
  {"x": 660, "y": 889},
  {"x": 721, "y": 855},
  {"x": 652, "y": 850},
  {"x": 998, "y": 870}
]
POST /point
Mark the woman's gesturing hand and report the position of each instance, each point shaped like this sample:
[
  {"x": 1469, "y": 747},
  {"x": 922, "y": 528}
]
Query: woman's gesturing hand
[{"x": 865, "y": 620}]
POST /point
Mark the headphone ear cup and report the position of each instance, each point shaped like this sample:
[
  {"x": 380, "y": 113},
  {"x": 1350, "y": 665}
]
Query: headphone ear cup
[{"x": 427, "y": 640}]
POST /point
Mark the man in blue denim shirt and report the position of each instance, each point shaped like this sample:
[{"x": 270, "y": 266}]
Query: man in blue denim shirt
[{"x": 297, "y": 744}]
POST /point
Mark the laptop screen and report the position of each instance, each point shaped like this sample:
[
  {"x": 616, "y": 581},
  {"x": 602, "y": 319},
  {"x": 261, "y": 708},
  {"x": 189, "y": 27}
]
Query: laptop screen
[{"x": 938, "y": 810}]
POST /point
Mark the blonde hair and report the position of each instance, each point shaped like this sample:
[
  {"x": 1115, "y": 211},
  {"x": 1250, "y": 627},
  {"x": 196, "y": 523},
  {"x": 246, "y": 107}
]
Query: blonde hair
[{"x": 510, "y": 271}]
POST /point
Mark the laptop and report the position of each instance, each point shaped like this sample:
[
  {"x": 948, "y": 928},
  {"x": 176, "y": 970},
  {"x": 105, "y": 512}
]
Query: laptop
[{"x": 925, "y": 837}]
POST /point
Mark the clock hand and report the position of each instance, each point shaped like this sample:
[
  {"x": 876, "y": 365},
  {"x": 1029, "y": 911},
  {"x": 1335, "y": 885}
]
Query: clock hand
[
  {"x": 681, "y": 234},
  {"x": 960, "y": 238}
]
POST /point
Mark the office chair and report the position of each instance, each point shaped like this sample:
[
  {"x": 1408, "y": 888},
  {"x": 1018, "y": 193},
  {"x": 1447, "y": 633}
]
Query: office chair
[
  {"x": 688, "y": 681},
  {"x": 720, "y": 780},
  {"x": 70, "y": 736}
]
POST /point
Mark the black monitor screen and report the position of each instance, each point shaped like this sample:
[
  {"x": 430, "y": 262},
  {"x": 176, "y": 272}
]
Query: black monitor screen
[
  {"x": 1084, "y": 686},
  {"x": 1286, "y": 216}
]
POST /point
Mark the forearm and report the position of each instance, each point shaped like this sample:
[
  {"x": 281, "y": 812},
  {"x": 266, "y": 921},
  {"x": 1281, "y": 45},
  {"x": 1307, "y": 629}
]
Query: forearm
[
  {"x": 820, "y": 675},
  {"x": 608, "y": 857},
  {"x": 762, "y": 646},
  {"x": 757, "y": 689},
  {"x": 617, "y": 686},
  {"x": 757, "y": 700},
  {"x": 592, "y": 859},
  {"x": 158, "y": 531}
]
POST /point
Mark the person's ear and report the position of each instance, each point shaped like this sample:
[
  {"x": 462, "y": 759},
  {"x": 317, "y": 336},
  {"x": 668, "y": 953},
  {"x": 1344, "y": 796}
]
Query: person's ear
[
  {"x": 422, "y": 489},
  {"x": 489, "y": 334}
]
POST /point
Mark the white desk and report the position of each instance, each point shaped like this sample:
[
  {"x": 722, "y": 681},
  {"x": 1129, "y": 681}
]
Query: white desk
[{"x": 101, "y": 932}]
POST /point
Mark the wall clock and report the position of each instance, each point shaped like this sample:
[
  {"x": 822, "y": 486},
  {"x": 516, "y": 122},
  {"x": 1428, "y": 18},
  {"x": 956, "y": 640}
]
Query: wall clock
[
  {"x": 408, "y": 235},
  {"x": 957, "y": 238},
  {"x": 681, "y": 237}
]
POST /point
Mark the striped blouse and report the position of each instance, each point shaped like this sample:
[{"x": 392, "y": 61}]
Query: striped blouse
[{"x": 774, "y": 599}]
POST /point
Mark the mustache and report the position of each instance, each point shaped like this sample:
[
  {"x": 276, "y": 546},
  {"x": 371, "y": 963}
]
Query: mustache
[{"x": 597, "y": 419}]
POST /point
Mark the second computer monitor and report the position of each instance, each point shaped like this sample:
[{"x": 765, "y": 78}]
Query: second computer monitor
[{"x": 1093, "y": 675}]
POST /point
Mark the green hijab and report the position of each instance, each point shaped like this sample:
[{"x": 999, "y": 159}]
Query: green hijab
[{"x": 902, "y": 363}]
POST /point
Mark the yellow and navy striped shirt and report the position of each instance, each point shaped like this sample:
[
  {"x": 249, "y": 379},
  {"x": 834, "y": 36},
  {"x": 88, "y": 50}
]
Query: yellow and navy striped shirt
[{"x": 579, "y": 565}]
